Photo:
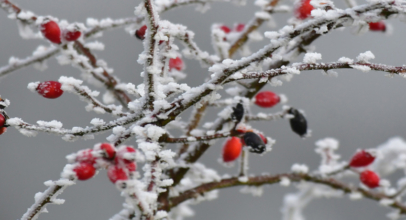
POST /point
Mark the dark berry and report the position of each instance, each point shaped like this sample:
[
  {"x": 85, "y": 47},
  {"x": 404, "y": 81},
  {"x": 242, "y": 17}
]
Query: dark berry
[
  {"x": 255, "y": 142},
  {"x": 238, "y": 113},
  {"x": 298, "y": 123}
]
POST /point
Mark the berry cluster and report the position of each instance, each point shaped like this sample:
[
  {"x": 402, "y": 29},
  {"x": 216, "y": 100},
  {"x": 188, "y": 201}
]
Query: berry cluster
[
  {"x": 363, "y": 158},
  {"x": 51, "y": 31},
  {"x": 120, "y": 163}
]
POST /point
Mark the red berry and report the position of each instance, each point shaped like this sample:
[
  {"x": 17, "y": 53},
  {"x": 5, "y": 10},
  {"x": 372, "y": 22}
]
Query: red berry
[
  {"x": 50, "y": 89},
  {"x": 2, "y": 130},
  {"x": 116, "y": 173},
  {"x": 85, "y": 156},
  {"x": 361, "y": 159},
  {"x": 369, "y": 178},
  {"x": 267, "y": 99},
  {"x": 304, "y": 10},
  {"x": 2, "y": 120},
  {"x": 140, "y": 33},
  {"x": 240, "y": 27},
  {"x": 51, "y": 31},
  {"x": 125, "y": 154},
  {"x": 71, "y": 35},
  {"x": 176, "y": 63},
  {"x": 109, "y": 150},
  {"x": 132, "y": 167},
  {"x": 225, "y": 29},
  {"x": 263, "y": 138},
  {"x": 84, "y": 171},
  {"x": 232, "y": 149},
  {"x": 377, "y": 26}
]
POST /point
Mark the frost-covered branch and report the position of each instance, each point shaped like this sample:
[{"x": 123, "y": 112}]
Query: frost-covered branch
[
  {"x": 272, "y": 179},
  {"x": 196, "y": 138}
]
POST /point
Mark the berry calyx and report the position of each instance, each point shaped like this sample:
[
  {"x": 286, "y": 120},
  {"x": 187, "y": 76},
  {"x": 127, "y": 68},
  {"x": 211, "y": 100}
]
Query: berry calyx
[
  {"x": 298, "y": 123},
  {"x": 240, "y": 27},
  {"x": 377, "y": 26},
  {"x": 116, "y": 173},
  {"x": 232, "y": 149},
  {"x": 267, "y": 99},
  {"x": 361, "y": 159},
  {"x": 176, "y": 63},
  {"x": 369, "y": 178},
  {"x": 50, "y": 89},
  {"x": 109, "y": 152},
  {"x": 2, "y": 130},
  {"x": 51, "y": 31},
  {"x": 304, "y": 10},
  {"x": 225, "y": 29},
  {"x": 140, "y": 33},
  {"x": 84, "y": 171},
  {"x": 254, "y": 142},
  {"x": 72, "y": 35},
  {"x": 2, "y": 120}
]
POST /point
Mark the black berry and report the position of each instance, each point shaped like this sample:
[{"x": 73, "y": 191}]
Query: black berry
[
  {"x": 298, "y": 123},
  {"x": 254, "y": 142},
  {"x": 238, "y": 112}
]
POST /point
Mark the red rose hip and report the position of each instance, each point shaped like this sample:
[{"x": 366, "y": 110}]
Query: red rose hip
[
  {"x": 116, "y": 173},
  {"x": 369, "y": 178},
  {"x": 232, "y": 149},
  {"x": 361, "y": 159},
  {"x": 2, "y": 120},
  {"x": 72, "y": 35},
  {"x": 176, "y": 63},
  {"x": 84, "y": 171},
  {"x": 2, "y": 130},
  {"x": 377, "y": 26},
  {"x": 267, "y": 99},
  {"x": 240, "y": 27},
  {"x": 50, "y": 89},
  {"x": 108, "y": 150},
  {"x": 140, "y": 33},
  {"x": 225, "y": 29},
  {"x": 51, "y": 31},
  {"x": 304, "y": 10}
]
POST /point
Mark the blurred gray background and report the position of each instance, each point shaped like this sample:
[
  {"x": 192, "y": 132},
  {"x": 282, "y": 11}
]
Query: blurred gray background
[{"x": 361, "y": 110}]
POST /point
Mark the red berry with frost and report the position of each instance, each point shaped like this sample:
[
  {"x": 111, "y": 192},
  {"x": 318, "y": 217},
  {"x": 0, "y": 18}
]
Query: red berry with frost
[
  {"x": 2, "y": 130},
  {"x": 232, "y": 149},
  {"x": 140, "y": 33},
  {"x": 176, "y": 63},
  {"x": 267, "y": 99},
  {"x": 125, "y": 154},
  {"x": 50, "y": 89},
  {"x": 84, "y": 171},
  {"x": 361, "y": 159},
  {"x": 304, "y": 9},
  {"x": 109, "y": 152},
  {"x": 131, "y": 167},
  {"x": 377, "y": 26},
  {"x": 2, "y": 120},
  {"x": 72, "y": 35},
  {"x": 240, "y": 27},
  {"x": 85, "y": 156},
  {"x": 51, "y": 31},
  {"x": 116, "y": 173},
  {"x": 369, "y": 178},
  {"x": 225, "y": 29}
]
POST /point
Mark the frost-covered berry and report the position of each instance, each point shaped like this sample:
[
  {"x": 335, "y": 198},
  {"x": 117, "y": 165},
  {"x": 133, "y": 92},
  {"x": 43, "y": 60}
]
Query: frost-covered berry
[
  {"x": 298, "y": 123},
  {"x": 109, "y": 152},
  {"x": 116, "y": 173},
  {"x": 225, "y": 29},
  {"x": 361, "y": 159},
  {"x": 84, "y": 171},
  {"x": 369, "y": 178},
  {"x": 254, "y": 141},
  {"x": 267, "y": 99},
  {"x": 140, "y": 33},
  {"x": 124, "y": 155},
  {"x": 71, "y": 35},
  {"x": 176, "y": 63},
  {"x": 238, "y": 112},
  {"x": 2, "y": 130},
  {"x": 232, "y": 149},
  {"x": 51, "y": 31},
  {"x": 2, "y": 120},
  {"x": 303, "y": 10},
  {"x": 377, "y": 26},
  {"x": 50, "y": 89},
  {"x": 131, "y": 167},
  {"x": 240, "y": 27},
  {"x": 85, "y": 156}
]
